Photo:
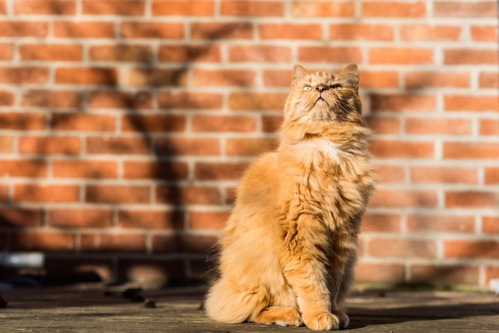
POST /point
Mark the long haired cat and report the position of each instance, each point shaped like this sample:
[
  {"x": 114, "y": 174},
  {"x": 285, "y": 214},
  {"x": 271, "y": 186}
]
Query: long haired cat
[{"x": 288, "y": 250}]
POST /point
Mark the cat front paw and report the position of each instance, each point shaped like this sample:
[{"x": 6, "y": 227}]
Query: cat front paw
[{"x": 322, "y": 322}]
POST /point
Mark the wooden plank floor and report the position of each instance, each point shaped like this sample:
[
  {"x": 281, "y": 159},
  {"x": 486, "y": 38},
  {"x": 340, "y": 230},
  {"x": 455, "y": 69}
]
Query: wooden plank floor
[{"x": 89, "y": 309}]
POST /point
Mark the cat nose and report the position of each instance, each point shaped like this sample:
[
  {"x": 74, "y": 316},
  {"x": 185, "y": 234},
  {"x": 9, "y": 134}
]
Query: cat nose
[{"x": 321, "y": 87}]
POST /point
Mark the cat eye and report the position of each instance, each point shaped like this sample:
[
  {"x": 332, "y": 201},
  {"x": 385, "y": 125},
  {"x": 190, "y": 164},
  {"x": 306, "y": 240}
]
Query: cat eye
[
  {"x": 307, "y": 88},
  {"x": 336, "y": 86}
]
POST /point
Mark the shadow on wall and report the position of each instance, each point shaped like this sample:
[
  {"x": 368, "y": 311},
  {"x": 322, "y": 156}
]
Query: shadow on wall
[{"x": 85, "y": 224}]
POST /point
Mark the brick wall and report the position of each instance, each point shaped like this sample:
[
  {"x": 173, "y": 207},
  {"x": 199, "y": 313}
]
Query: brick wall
[{"x": 125, "y": 126}]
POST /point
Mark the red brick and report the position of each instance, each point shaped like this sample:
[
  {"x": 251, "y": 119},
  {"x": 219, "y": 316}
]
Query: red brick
[
  {"x": 444, "y": 274},
  {"x": 23, "y": 29},
  {"x": 386, "y": 273},
  {"x": 119, "y": 100},
  {"x": 219, "y": 170},
  {"x": 153, "y": 123},
  {"x": 251, "y": 8},
  {"x": 400, "y": 56},
  {"x": 155, "y": 77},
  {"x": 379, "y": 79},
  {"x": 491, "y": 175},
  {"x": 115, "y": 242},
  {"x": 491, "y": 272},
  {"x": 489, "y": 80},
  {"x": 426, "y": 79},
  {"x": 23, "y": 75},
  {"x": 113, "y": 7},
  {"x": 79, "y": 218},
  {"x": 151, "y": 219},
  {"x": 46, "y": 241},
  {"x": 187, "y": 146},
  {"x": 23, "y": 168},
  {"x": 117, "y": 194},
  {"x": 118, "y": 145},
  {"x": 402, "y": 102},
  {"x": 456, "y": 9},
  {"x": 401, "y": 248},
  {"x": 163, "y": 30},
  {"x": 401, "y": 149},
  {"x": 223, "y": 77},
  {"x": 271, "y": 124},
  {"x": 484, "y": 33},
  {"x": 3, "y": 10},
  {"x": 327, "y": 9},
  {"x": 45, "y": 7},
  {"x": 329, "y": 54},
  {"x": 259, "y": 53},
  {"x": 218, "y": 31},
  {"x": 84, "y": 169},
  {"x": 443, "y": 175},
  {"x": 423, "y": 32},
  {"x": 390, "y": 173},
  {"x": 122, "y": 53},
  {"x": 46, "y": 193},
  {"x": 20, "y": 217},
  {"x": 240, "y": 101},
  {"x": 471, "y": 199},
  {"x": 57, "y": 145},
  {"x": 87, "y": 76},
  {"x": 86, "y": 29},
  {"x": 490, "y": 225},
  {"x": 50, "y": 52},
  {"x": 403, "y": 198},
  {"x": 4, "y": 193},
  {"x": 219, "y": 124},
  {"x": 249, "y": 147},
  {"x": 380, "y": 223},
  {"x": 489, "y": 127},
  {"x": 155, "y": 170},
  {"x": 207, "y": 220},
  {"x": 6, "y": 51},
  {"x": 473, "y": 249},
  {"x": 440, "y": 223},
  {"x": 189, "y": 100},
  {"x": 82, "y": 122},
  {"x": 188, "y": 195},
  {"x": 183, "y": 8},
  {"x": 360, "y": 31},
  {"x": 22, "y": 121},
  {"x": 6, "y": 144},
  {"x": 51, "y": 98},
  {"x": 393, "y": 9},
  {"x": 277, "y": 78},
  {"x": 437, "y": 126},
  {"x": 383, "y": 125},
  {"x": 473, "y": 56},
  {"x": 189, "y": 53},
  {"x": 471, "y": 103},
  {"x": 470, "y": 150},
  {"x": 290, "y": 31},
  {"x": 6, "y": 98}
]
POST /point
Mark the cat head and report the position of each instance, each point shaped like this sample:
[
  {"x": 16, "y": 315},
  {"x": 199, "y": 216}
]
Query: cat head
[{"x": 324, "y": 97}]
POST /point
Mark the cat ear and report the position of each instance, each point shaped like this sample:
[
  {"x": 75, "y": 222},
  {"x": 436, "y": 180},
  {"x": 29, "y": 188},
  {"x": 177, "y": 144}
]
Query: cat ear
[
  {"x": 350, "y": 75},
  {"x": 298, "y": 72}
]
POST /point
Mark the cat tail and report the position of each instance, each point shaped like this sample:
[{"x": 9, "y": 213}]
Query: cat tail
[{"x": 228, "y": 303}]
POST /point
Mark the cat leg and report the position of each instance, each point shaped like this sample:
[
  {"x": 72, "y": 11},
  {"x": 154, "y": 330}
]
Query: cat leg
[
  {"x": 283, "y": 316},
  {"x": 305, "y": 269},
  {"x": 342, "y": 266},
  {"x": 228, "y": 302}
]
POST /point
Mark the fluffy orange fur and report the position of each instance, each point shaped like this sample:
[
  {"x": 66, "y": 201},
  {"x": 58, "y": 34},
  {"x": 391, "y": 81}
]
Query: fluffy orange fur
[{"x": 289, "y": 247}]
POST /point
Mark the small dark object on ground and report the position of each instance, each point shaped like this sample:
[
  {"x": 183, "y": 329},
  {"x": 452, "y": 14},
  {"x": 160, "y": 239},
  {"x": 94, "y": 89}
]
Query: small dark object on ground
[
  {"x": 150, "y": 303},
  {"x": 3, "y": 302},
  {"x": 131, "y": 292}
]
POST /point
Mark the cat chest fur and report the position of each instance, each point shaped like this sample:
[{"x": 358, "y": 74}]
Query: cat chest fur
[{"x": 328, "y": 183}]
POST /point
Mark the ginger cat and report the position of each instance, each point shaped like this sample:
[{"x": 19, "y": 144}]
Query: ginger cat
[{"x": 289, "y": 247}]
